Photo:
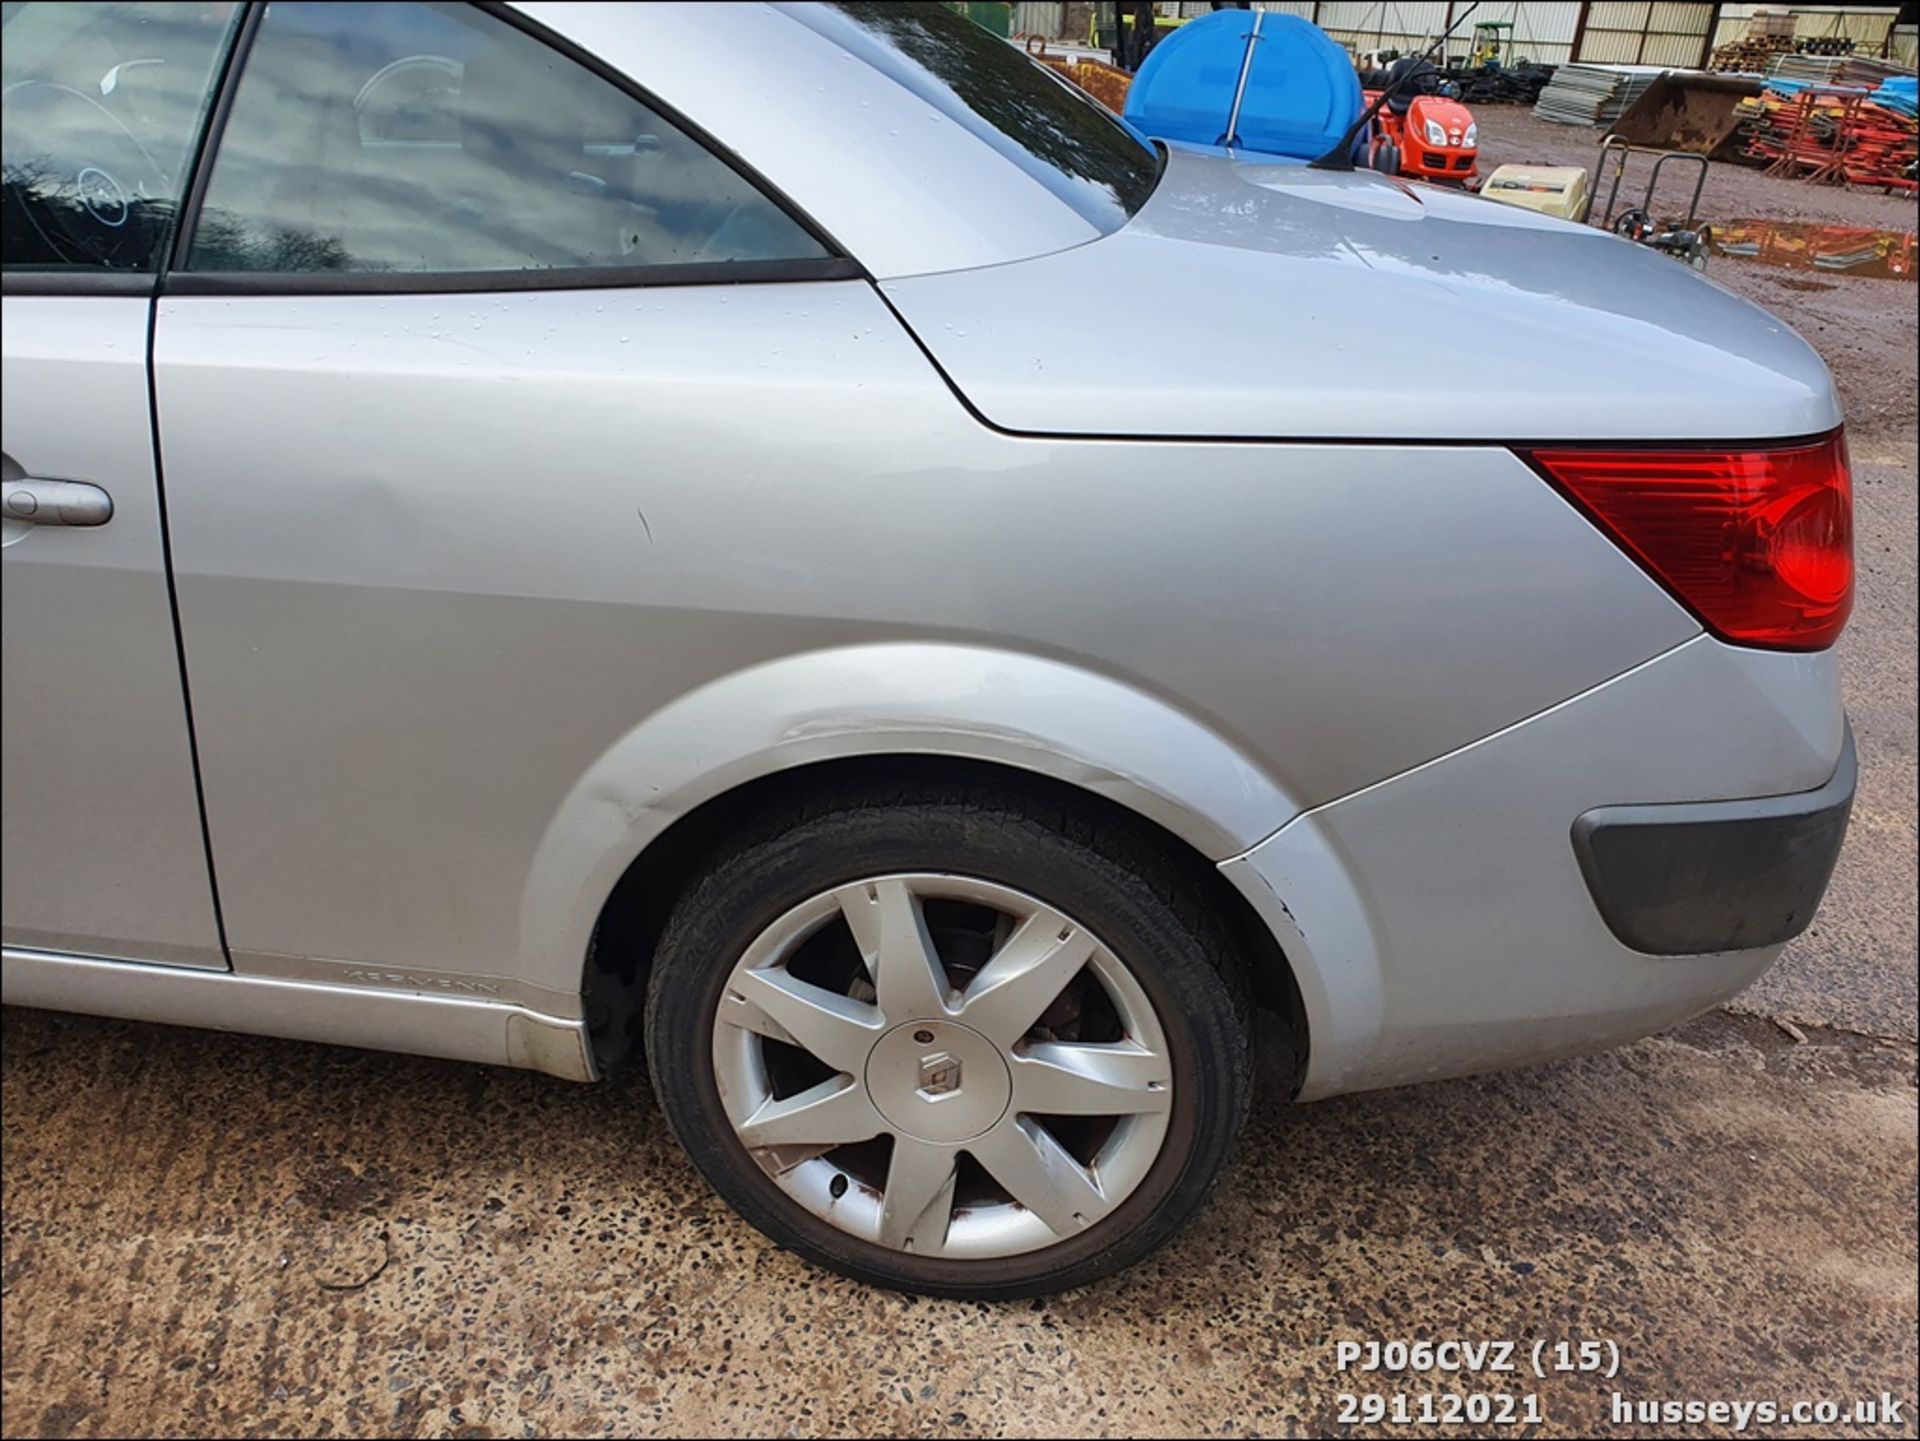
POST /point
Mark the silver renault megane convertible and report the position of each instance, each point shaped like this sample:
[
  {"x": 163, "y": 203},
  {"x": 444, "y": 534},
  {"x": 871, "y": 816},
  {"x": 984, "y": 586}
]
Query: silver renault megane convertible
[{"x": 787, "y": 542}]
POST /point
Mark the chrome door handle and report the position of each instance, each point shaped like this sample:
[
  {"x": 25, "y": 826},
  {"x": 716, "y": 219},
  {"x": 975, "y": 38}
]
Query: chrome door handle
[{"x": 55, "y": 502}]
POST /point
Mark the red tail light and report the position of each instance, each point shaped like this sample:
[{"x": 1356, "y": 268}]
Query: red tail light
[{"x": 1758, "y": 543}]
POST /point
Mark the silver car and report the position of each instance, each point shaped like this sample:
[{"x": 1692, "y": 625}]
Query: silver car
[{"x": 786, "y": 541}]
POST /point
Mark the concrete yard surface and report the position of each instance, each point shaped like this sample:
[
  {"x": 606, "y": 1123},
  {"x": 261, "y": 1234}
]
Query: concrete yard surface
[{"x": 226, "y": 1236}]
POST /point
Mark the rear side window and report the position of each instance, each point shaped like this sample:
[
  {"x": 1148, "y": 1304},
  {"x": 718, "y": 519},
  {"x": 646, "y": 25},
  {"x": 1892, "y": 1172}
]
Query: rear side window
[
  {"x": 435, "y": 138},
  {"x": 1056, "y": 132},
  {"x": 100, "y": 109}
]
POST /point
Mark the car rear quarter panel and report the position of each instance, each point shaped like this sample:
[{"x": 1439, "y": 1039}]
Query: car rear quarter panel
[{"x": 455, "y": 572}]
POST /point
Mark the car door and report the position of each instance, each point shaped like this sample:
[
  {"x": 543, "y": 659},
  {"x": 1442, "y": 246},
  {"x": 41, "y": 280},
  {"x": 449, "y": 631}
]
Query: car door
[
  {"x": 105, "y": 854},
  {"x": 463, "y": 329}
]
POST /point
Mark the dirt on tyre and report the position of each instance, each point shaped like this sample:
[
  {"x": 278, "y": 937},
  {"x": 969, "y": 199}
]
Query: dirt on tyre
[{"x": 951, "y": 1042}]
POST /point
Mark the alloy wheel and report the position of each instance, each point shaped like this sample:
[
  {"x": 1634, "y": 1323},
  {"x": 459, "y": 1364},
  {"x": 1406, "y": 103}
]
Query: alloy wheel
[{"x": 942, "y": 1065}]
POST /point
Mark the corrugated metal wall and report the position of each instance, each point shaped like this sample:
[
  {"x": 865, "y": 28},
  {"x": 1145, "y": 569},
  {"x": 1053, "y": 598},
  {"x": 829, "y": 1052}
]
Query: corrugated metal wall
[
  {"x": 1542, "y": 29},
  {"x": 1621, "y": 32},
  {"x": 1646, "y": 32},
  {"x": 1614, "y": 28},
  {"x": 1402, "y": 25},
  {"x": 1040, "y": 17}
]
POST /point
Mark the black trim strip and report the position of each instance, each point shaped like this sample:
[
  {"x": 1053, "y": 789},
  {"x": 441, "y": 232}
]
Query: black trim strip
[
  {"x": 1768, "y": 443},
  {"x": 1421, "y": 442},
  {"x": 216, "y": 126},
  {"x": 624, "y": 277},
  {"x": 78, "y": 282},
  {"x": 179, "y": 632}
]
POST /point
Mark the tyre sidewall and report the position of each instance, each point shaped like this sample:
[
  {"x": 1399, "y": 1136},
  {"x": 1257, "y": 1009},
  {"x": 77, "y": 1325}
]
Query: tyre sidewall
[{"x": 1198, "y": 1011}]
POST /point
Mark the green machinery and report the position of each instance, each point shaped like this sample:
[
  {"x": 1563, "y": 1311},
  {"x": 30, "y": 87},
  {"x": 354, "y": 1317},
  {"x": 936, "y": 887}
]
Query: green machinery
[
  {"x": 1492, "y": 45},
  {"x": 993, "y": 16}
]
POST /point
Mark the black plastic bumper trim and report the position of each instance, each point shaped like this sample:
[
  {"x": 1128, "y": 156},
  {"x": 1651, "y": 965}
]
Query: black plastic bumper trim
[{"x": 1699, "y": 877}]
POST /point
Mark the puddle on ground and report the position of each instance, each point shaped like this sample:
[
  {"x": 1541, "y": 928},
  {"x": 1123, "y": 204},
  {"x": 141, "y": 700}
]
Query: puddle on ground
[{"x": 1802, "y": 245}]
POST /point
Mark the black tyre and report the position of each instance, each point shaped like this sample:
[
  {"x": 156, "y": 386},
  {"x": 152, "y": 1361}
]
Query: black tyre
[{"x": 950, "y": 1041}]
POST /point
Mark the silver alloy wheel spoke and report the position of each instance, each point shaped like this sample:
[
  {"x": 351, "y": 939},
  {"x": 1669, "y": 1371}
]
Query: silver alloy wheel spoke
[
  {"x": 836, "y": 1029},
  {"x": 1025, "y": 976},
  {"x": 836, "y": 1112},
  {"x": 737, "y": 1010},
  {"x": 918, "y": 1202},
  {"x": 1038, "y": 1173},
  {"x": 1068, "y": 1078},
  {"x": 890, "y": 930}
]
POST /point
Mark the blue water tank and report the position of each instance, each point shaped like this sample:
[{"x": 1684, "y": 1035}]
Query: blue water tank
[{"x": 1302, "y": 92}]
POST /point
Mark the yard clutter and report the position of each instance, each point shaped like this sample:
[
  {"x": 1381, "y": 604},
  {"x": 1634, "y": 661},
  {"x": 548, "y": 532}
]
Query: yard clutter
[
  {"x": 1559, "y": 190},
  {"x": 1751, "y": 54},
  {"x": 1106, "y": 83},
  {"x": 1689, "y": 110},
  {"x": 1593, "y": 94},
  {"x": 1856, "y": 71},
  {"x": 1836, "y": 136},
  {"x": 1770, "y": 36},
  {"x": 1519, "y": 85}
]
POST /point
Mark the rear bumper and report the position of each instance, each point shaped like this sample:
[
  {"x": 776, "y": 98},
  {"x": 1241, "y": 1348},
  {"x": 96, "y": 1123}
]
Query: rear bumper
[
  {"x": 1676, "y": 880},
  {"x": 1440, "y": 922}
]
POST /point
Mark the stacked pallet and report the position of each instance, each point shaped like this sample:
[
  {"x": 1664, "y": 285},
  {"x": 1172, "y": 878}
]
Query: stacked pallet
[
  {"x": 1593, "y": 94},
  {"x": 1750, "y": 55}
]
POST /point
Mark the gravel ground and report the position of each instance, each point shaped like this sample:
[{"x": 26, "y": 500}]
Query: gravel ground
[{"x": 237, "y": 1237}]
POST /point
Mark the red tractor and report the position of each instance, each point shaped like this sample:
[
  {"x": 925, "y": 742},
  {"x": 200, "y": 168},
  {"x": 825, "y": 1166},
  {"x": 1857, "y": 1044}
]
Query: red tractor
[{"x": 1421, "y": 132}]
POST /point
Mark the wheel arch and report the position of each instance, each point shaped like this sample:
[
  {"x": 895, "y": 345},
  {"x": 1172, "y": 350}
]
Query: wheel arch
[
  {"x": 619, "y": 953},
  {"x": 665, "y": 787}
]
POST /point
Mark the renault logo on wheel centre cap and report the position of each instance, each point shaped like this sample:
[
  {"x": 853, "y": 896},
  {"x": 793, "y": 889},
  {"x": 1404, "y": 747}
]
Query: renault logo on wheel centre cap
[
  {"x": 939, "y": 1075},
  {"x": 947, "y": 1088}
]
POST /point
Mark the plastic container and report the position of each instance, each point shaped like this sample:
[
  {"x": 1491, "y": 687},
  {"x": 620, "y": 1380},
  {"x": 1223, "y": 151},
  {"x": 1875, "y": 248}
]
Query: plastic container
[{"x": 1301, "y": 93}]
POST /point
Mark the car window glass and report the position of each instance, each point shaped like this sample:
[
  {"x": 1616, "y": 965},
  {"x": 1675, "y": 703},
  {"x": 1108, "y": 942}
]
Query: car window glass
[
  {"x": 408, "y": 138},
  {"x": 100, "y": 108},
  {"x": 1050, "y": 128}
]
